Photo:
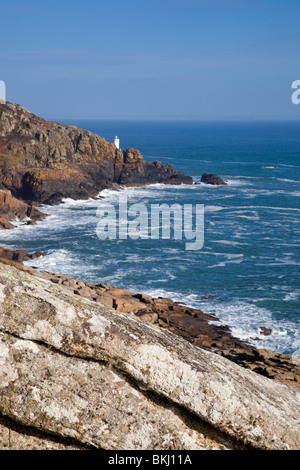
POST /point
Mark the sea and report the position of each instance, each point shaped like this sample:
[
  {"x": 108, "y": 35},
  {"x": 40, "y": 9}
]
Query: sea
[{"x": 247, "y": 272}]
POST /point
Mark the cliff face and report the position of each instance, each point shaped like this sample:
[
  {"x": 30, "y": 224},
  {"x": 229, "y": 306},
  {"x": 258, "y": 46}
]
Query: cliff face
[
  {"x": 45, "y": 161},
  {"x": 81, "y": 371}
]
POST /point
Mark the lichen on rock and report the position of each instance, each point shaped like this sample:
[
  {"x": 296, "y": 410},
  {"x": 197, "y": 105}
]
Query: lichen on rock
[{"x": 110, "y": 380}]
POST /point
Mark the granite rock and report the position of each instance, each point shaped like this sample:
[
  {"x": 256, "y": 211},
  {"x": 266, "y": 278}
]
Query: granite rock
[{"x": 73, "y": 368}]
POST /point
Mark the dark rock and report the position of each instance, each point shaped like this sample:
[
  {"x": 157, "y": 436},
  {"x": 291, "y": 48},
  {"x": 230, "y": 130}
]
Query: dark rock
[
  {"x": 12, "y": 208},
  {"x": 19, "y": 255},
  {"x": 212, "y": 179},
  {"x": 265, "y": 331},
  {"x": 5, "y": 224},
  {"x": 144, "y": 298}
]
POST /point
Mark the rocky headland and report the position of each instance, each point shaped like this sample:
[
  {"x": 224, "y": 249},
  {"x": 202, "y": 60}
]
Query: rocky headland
[
  {"x": 43, "y": 161},
  {"x": 96, "y": 366}
]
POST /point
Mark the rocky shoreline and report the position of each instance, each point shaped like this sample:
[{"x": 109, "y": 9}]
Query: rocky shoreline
[
  {"x": 194, "y": 325},
  {"x": 93, "y": 376},
  {"x": 191, "y": 324},
  {"x": 42, "y": 162}
]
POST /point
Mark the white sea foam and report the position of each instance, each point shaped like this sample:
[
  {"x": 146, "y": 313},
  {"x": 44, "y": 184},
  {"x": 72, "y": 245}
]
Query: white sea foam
[
  {"x": 292, "y": 296},
  {"x": 229, "y": 242},
  {"x": 224, "y": 263},
  {"x": 269, "y": 207},
  {"x": 218, "y": 265},
  {"x": 288, "y": 166},
  {"x": 245, "y": 319},
  {"x": 238, "y": 182},
  {"x": 55, "y": 261},
  {"x": 204, "y": 186},
  {"x": 213, "y": 208},
  {"x": 285, "y": 180},
  {"x": 243, "y": 163},
  {"x": 249, "y": 177},
  {"x": 254, "y": 215}
]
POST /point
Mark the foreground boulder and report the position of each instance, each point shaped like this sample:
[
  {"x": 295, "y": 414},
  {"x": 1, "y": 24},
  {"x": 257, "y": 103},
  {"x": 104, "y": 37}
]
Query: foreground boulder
[
  {"x": 82, "y": 371},
  {"x": 212, "y": 179},
  {"x": 199, "y": 328}
]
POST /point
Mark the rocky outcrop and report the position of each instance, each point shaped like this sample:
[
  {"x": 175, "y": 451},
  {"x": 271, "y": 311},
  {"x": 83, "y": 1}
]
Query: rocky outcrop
[
  {"x": 76, "y": 369},
  {"x": 19, "y": 255},
  {"x": 212, "y": 179},
  {"x": 5, "y": 224},
  {"x": 12, "y": 209},
  {"x": 45, "y": 161}
]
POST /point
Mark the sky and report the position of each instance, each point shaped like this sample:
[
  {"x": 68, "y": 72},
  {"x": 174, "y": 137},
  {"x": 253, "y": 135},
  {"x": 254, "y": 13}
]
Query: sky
[{"x": 151, "y": 59}]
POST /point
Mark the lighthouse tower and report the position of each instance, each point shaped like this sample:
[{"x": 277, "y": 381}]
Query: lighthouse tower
[
  {"x": 117, "y": 142},
  {"x": 2, "y": 92}
]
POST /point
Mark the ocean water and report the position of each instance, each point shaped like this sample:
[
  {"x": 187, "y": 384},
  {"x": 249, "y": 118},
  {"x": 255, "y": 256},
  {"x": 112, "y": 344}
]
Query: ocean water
[{"x": 249, "y": 264}]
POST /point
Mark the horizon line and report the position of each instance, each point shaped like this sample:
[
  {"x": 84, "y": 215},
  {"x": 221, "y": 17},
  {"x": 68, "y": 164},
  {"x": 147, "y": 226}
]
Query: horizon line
[{"x": 174, "y": 118}]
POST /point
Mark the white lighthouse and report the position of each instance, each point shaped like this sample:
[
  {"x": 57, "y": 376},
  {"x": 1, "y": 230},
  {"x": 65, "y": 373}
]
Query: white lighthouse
[
  {"x": 2, "y": 92},
  {"x": 117, "y": 142}
]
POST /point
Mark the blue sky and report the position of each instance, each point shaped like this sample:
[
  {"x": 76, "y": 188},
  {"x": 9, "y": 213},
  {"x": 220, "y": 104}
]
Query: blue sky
[{"x": 165, "y": 59}]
